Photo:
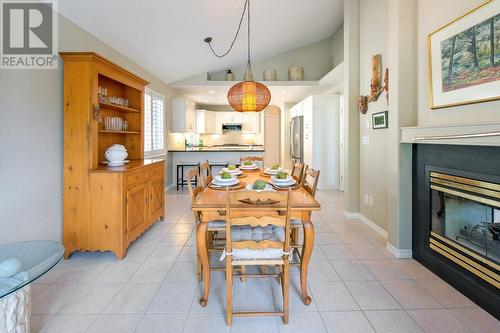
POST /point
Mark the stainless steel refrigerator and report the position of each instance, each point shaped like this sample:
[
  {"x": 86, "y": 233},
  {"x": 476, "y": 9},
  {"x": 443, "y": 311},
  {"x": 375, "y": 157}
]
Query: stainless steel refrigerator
[{"x": 296, "y": 141}]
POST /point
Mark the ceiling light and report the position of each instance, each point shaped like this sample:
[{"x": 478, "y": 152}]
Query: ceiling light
[
  {"x": 246, "y": 96},
  {"x": 211, "y": 91}
]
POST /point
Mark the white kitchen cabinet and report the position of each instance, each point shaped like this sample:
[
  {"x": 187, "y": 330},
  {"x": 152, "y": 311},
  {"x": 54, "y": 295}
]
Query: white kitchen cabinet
[
  {"x": 321, "y": 137},
  {"x": 183, "y": 115},
  {"x": 205, "y": 121},
  {"x": 251, "y": 122},
  {"x": 296, "y": 110}
]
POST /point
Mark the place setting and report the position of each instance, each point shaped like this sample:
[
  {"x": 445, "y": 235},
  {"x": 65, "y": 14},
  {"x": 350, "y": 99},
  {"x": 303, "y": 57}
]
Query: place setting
[
  {"x": 249, "y": 166},
  {"x": 226, "y": 180},
  {"x": 272, "y": 171},
  {"x": 283, "y": 181},
  {"x": 233, "y": 170}
]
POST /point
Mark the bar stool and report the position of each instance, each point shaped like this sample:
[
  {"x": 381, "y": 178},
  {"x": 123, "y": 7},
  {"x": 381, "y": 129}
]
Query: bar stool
[{"x": 180, "y": 180}]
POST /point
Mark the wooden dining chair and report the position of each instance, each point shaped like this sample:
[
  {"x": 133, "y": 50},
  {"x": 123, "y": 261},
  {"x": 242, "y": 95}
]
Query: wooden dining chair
[
  {"x": 258, "y": 234},
  {"x": 213, "y": 226},
  {"x": 253, "y": 159},
  {"x": 298, "y": 171},
  {"x": 205, "y": 174},
  {"x": 310, "y": 184}
]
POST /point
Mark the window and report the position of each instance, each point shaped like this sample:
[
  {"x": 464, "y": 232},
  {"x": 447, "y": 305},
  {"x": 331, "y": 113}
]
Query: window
[{"x": 154, "y": 135}]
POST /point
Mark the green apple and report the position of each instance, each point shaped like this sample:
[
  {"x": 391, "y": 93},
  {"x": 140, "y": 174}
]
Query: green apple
[
  {"x": 226, "y": 175},
  {"x": 231, "y": 167},
  {"x": 275, "y": 167},
  {"x": 259, "y": 185},
  {"x": 247, "y": 163},
  {"x": 281, "y": 175}
]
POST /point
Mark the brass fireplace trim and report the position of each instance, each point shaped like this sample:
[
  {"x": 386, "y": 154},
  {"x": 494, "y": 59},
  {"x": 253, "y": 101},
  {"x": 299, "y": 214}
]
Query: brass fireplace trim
[
  {"x": 469, "y": 188},
  {"x": 467, "y": 181},
  {"x": 465, "y": 263},
  {"x": 466, "y": 251},
  {"x": 476, "y": 198}
]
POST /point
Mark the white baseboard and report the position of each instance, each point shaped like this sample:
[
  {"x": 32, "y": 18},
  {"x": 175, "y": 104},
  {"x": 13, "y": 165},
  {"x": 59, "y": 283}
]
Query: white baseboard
[
  {"x": 367, "y": 221},
  {"x": 399, "y": 253},
  {"x": 171, "y": 186}
]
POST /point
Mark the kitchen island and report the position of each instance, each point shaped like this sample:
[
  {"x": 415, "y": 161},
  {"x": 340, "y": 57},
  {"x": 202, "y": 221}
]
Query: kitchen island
[{"x": 219, "y": 155}]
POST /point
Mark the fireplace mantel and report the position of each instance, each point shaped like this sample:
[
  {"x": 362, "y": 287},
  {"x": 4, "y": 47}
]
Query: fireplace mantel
[{"x": 482, "y": 134}]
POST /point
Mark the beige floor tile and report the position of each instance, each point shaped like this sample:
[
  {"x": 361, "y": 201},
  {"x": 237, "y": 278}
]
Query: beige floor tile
[
  {"x": 174, "y": 239},
  {"x": 92, "y": 300},
  {"x": 300, "y": 322},
  {"x": 182, "y": 272},
  {"x": 410, "y": 295},
  {"x": 337, "y": 252},
  {"x": 352, "y": 237},
  {"x": 253, "y": 295},
  {"x": 321, "y": 271},
  {"x": 161, "y": 323},
  {"x": 165, "y": 254},
  {"x": 133, "y": 298},
  {"x": 365, "y": 251},
  {"x": 477, "y": 320},
  {"x": 215, "y": 323},
  {"x": 54, "y": 297},
  {"x": 325, "y": 238},
  {"x": 173, "y": 298},
  {"x": 352, "y": 270},
  {"x": 37, "y": 322},
  {"x": 414, "y": 269},
  {"x": 392, "y": 321},
  {"x": 384, "y": 270},
  {"x": 115, "y": 324},
  {"x": 254, "y": 325},
  {"x": 437, "y": 321},
  {"x": 346, "y": 322},
  {"x": 332, "y": 296},
  {"x": 68, "y": 323},
  {"x": 188, "y": 254},
  {"x": 118, "y": 272},
  {"x": 151, "y": 272},
  {"x": 182, "y": 228},
  {"x": 371, "y": 295},
  {"x": 445, "y": 294}
]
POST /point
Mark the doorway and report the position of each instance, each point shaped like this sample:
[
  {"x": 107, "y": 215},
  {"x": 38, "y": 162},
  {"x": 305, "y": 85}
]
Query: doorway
[{"x": 272, "y": 135}]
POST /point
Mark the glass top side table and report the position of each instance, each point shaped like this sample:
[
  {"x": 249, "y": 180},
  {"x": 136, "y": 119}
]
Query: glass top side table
[{"x": 29, "y": 260}]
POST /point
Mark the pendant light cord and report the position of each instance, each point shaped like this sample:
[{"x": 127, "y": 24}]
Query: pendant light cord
[{"x": 208, "y": 40}]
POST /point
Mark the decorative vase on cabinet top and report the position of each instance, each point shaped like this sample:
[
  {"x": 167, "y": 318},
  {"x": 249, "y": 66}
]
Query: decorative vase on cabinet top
[{"x": 296, "y": 73}]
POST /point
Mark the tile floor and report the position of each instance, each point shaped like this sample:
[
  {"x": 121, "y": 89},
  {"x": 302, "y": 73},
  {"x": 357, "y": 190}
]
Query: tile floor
[{"x": 355, "y": 284}]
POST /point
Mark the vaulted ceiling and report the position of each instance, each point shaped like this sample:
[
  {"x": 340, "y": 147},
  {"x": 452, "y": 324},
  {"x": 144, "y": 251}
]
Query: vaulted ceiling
[{"x": 166, "y": 37}]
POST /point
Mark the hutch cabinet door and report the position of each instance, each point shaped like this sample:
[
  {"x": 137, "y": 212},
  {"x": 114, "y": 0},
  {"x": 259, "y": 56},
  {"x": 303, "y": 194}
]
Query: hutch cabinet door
[
  {"x": 156, "y": 197},
  {"x": 137, "y": 210}
]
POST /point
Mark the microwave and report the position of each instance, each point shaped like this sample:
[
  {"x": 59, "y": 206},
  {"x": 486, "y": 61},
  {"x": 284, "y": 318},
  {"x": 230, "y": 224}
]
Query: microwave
[{"x": 232, "y": 127}]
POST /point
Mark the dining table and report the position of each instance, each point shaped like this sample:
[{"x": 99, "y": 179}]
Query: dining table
[{"x": 211, "y": 205}]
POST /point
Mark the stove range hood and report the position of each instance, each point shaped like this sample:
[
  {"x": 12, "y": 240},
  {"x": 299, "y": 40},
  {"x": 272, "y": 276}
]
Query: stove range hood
[{"x": 232, "y": 127}]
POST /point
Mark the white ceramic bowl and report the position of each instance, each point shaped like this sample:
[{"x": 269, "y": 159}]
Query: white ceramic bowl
[
  {"x": 116, "y": 154},
  {"x": 288, "y": 179},
  {"x": 219, "y": 179}
]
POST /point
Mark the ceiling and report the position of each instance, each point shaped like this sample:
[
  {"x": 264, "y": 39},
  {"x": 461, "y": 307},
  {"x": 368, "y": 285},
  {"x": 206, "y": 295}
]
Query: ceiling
[{"x": 166, "y": 37}]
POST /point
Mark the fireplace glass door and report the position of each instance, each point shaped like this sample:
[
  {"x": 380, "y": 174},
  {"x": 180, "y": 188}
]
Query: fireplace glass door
[{"x": 465, "y": 221}]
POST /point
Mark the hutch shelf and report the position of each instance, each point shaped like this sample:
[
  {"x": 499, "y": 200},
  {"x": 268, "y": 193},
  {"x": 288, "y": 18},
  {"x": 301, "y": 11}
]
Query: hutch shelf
[{"x": 105, "y": 208}]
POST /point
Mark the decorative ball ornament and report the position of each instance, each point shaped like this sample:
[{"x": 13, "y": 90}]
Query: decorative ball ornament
[{"x": 249, "y": 96}]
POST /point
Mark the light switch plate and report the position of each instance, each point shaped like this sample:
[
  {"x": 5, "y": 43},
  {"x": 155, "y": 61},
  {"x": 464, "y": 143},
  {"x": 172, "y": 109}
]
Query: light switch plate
[
  {"x": 367, "y": 123},
  {"x": 365, "y": 140},
  {"x": 365, "y": 198}
]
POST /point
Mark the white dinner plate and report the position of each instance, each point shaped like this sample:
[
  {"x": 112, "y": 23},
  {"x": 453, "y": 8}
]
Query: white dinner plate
[
  {"x": 268, "y": 187},
  {"x": 248, "y": 167},
  {"x": 108, "y": 163},
  {"x": 280, "y": 181},
  {"x": 234, "y": 182},
  {"x": 270, "y": 171},
  {"x": 219, "y": 179},
  {"x": 290, "y": 182},
  {"x": 236, "y": 172}
]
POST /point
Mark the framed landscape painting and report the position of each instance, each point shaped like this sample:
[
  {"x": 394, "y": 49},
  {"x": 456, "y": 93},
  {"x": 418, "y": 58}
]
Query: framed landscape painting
[{"x": 464, "y": 58}]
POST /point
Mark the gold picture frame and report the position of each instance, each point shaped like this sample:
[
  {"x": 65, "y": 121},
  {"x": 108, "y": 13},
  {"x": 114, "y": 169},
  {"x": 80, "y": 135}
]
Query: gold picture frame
[{"x": 443, "y": 95}]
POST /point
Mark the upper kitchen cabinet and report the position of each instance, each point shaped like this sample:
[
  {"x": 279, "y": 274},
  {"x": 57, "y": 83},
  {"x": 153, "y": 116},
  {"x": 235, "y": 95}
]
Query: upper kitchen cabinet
[
  {"x": 205, "y": 121},
  {"x": 183, "y": 115}
]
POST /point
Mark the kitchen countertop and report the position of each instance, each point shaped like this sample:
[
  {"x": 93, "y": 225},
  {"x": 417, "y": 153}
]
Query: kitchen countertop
[{"x": 217, "y": 149}]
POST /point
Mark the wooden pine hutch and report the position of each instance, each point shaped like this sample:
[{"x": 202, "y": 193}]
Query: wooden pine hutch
[{"x": 105, "y": 208}]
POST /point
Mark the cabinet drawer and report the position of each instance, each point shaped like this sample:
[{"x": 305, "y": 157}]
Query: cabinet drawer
[
  {"x": 156, "y": 172},
  {"x": 217, "y": 215},
  {"x": 136, "y": 178}
]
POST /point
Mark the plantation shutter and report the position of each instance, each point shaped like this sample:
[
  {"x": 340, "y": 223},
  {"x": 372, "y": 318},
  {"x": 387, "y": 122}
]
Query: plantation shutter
[{"x": 154, "y": 135}]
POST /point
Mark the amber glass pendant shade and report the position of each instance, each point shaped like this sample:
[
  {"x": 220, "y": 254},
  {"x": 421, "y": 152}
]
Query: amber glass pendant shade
[{"x": 249, "y": 96}]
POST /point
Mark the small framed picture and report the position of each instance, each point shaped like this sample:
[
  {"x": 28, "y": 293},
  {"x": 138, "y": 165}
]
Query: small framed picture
[{"x": 380, "y": 120}]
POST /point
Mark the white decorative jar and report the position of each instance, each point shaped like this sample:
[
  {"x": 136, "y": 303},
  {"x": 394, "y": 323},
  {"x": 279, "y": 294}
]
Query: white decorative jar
[
  {"x": 116, "y": 155},
  {"x": 296, "y": 73},
  {"x": 269, "y": 74}
]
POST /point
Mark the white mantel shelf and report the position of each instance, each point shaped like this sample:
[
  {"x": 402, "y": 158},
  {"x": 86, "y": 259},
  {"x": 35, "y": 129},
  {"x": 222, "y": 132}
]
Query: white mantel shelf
[{"x": 482, "y": 134}]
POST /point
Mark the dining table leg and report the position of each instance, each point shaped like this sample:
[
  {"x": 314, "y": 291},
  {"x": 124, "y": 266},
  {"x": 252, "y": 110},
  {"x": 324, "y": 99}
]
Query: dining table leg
[
  {"x": 201, "y": 245},
  {"x": 307, "y": 248}
]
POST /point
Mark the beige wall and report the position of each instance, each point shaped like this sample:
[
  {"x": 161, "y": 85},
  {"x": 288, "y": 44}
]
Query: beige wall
[
  {"x": 31, "y": 140},
  {"x": 431, "y": 16},
  {"x": 373, "y": 157}
]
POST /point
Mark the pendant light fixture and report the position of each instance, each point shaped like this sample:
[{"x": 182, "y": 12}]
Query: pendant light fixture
[{"x": 246, "y": 96}]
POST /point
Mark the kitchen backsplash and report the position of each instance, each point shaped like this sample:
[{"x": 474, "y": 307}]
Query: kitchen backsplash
[{"x": 176, "y": 140}]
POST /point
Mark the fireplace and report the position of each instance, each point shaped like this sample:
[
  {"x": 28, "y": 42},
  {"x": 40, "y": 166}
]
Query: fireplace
[
  {"x": 465, "y": 222},
  {"x": 456, "y": 218}
]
